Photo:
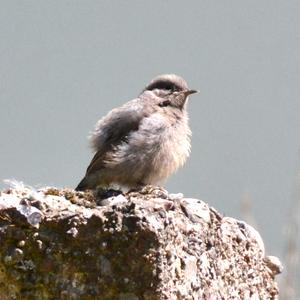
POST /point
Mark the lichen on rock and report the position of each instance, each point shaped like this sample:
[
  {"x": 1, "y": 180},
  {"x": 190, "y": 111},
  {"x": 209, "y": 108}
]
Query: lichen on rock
[{"x": 147, "y": 244}]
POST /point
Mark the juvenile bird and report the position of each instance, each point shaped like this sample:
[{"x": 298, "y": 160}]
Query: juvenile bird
[{"x": 145, "y": 140}]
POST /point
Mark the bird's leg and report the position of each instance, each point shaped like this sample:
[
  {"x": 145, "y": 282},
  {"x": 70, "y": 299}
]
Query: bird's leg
[{"x": 103, "y": 193}]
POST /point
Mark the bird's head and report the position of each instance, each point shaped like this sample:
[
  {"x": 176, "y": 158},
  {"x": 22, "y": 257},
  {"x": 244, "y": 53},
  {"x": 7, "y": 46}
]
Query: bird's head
[{"x": 171, "y": 90}]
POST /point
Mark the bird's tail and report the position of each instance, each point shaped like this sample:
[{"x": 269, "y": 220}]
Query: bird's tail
[{"x": 82, "y": 186}]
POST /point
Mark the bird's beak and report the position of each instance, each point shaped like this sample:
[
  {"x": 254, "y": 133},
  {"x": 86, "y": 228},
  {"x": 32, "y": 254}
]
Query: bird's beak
[{"x": 190, "y": 92}]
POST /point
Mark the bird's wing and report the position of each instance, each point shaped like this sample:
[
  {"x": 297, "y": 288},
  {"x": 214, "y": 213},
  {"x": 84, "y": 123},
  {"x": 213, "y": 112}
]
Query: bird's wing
[{"x": 114, "y": 129}]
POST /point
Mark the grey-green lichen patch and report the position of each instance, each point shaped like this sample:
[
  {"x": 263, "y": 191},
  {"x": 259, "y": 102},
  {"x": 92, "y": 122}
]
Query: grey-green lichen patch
[{"x": 71, "y": 256}]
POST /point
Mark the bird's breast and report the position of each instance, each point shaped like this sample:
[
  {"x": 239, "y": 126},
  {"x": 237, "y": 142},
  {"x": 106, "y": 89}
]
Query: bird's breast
[{"x": 165, "y": 144}]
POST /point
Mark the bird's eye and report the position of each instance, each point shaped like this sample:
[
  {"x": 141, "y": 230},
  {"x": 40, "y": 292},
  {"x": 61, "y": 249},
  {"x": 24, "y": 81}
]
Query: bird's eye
[
  {"x": 164, "y": 103},
  {"x": 163, "y": 85}
]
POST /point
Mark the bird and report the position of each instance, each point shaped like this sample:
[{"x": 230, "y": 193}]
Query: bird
[{"x": 144, "y": 141}]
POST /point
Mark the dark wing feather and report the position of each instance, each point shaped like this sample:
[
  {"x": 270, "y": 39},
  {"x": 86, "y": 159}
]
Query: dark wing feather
[{"x": 114, "y": 129}]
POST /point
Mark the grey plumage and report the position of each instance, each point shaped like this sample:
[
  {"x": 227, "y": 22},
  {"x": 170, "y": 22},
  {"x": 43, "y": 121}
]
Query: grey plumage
[{"x": 145, "y": 140}]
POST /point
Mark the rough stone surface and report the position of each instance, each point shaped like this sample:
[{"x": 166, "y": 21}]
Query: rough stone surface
[{"x": 148, "y": 244}]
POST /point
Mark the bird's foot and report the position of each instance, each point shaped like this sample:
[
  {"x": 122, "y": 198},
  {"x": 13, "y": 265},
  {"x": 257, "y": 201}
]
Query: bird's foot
[{"x": 102, "y": 193}]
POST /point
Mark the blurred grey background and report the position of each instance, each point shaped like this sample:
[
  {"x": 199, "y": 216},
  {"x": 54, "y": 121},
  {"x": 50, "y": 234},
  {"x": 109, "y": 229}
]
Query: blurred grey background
[{"x": 65, "y": 64}]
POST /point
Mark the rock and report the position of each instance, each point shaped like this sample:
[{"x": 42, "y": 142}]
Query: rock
[
  {"x": 274, "y": 264},
  {"x": 147, "y": 244}
]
